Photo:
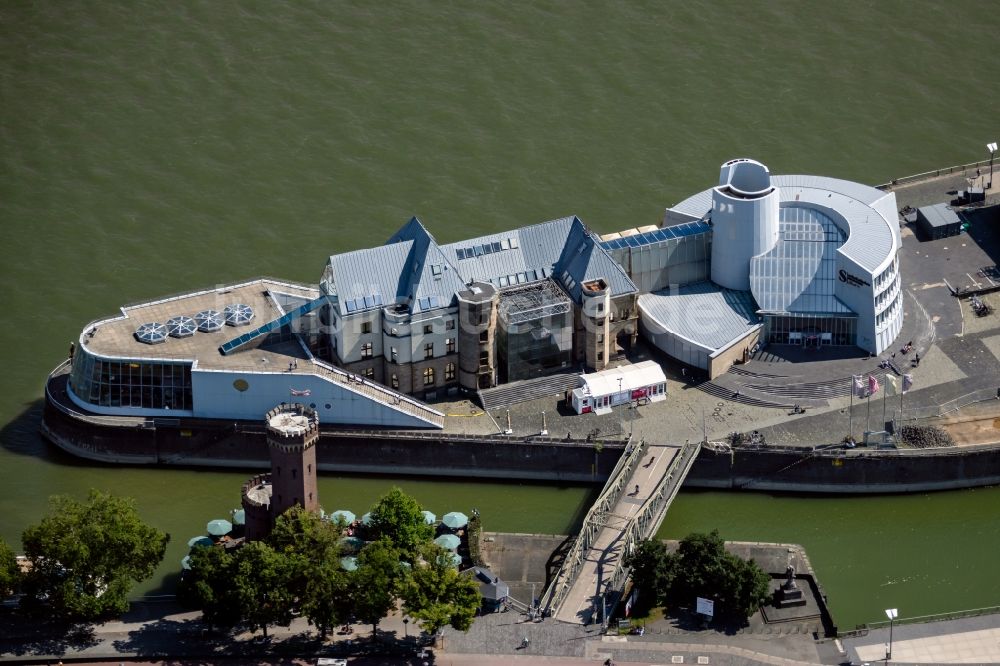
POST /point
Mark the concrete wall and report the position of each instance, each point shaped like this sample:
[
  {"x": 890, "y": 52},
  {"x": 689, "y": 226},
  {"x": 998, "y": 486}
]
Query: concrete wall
[{"x": 721, "y": 361}]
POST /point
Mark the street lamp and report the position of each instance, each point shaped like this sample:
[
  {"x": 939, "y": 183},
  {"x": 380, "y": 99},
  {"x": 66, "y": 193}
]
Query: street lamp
[
  {"x": 992, "y": 147},
  {"x": 892, "y": 614}
]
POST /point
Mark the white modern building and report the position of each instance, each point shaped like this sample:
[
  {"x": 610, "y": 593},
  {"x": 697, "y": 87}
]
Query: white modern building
[{"x": 803, "y": 260}]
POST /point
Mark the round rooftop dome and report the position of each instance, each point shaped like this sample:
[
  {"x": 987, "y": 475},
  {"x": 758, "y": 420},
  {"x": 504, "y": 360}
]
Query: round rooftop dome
[
  {"x": 151, "y": 333},
  {"x": 746, "y": 177},
  {"x": 238, "y": 314},
  {"x": 181, "y": 326},
  {"x": 209, "y": 320}
]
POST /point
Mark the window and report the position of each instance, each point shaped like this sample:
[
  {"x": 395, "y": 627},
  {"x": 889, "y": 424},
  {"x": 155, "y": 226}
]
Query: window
[
  {"x": 449, "y": 325},
  {"x": 484, "y": 357},
  {"x": 370, "y": 373},
  {"x": 600, "y": 338},
  {"x": 600, "y": 307},
  {"x": 449, "y": 346},
  {"x": 294, "y": 471},
  {"x": 366, "y": 327},
  {"x": 366, "y": 350},
  {"x": 309, "y": 470},
  {"x": 484, "y": 336},
  {"x": 428, "y": 329},
  {"x": 600, "y": 356},
  {"x": 393, "y": 354},
  {"x": 428, "y": 376},
  {"x": 394, "y": 381},
  {"x": 449, "y": 372},
  {"x": 429, "y": 350}
]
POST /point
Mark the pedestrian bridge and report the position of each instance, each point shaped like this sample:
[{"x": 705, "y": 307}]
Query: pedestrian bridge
[{"x": 631, "y": 508}]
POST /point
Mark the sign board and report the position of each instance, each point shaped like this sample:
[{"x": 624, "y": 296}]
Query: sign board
[{"x": 705, "y": 606}]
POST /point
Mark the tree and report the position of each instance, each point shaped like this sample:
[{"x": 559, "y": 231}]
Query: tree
[
  {"x": 397, "y": 518},
  {"x": 436, "y": 595},
  {"x": 85, "y": 557},
  {"x": 10, "y": 572},
  {"x": 701, "y": 567},
  {"x": 376, "y": 581},
  {"x": 316, "y": 580},
  {"x": 653, "y": 571},
  {"x": 261, "y": 584},
  {"x": 208, "y": 587}
]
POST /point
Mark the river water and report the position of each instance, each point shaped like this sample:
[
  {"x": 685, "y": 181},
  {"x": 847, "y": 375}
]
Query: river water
[{"x": 149, "y": 148}]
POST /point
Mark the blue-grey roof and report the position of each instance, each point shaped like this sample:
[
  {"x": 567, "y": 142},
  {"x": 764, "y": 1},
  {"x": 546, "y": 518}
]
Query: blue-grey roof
[
  {"x": 409, "y": 269},
  {"x": 583, "y": 258},
  {"x": 799, "y": 274},
  {"x": 939, "y": 215},
  {"x": 871, "y": 239},
  {"x": 650, "y": 237},
  {"x": 702, "y": 313}
]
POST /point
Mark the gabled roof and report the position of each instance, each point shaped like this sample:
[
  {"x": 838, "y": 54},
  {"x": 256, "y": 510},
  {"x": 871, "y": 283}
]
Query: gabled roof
[
  {"x": 583, "y": 258},
  {"x": 409, "y": 269}
]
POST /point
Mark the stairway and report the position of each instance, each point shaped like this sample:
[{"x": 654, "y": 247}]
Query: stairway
[{"x": 528, "y": 389}]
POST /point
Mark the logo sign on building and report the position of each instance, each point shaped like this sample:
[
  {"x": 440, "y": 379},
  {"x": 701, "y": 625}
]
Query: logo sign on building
[
  {"x": 705, "y": 607},
  {"x": 844, "y": 276}
]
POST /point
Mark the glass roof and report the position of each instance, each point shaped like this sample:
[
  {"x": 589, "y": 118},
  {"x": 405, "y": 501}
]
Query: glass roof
[
  {"x": 667, "y": 233},
  {"x": 151, "y": 333},
  {"x": 238, "y": 314},
  {"x": 209, "y": 320},
  {"x": 799, "y": 274},
  {"x": 181, "y": 326}
]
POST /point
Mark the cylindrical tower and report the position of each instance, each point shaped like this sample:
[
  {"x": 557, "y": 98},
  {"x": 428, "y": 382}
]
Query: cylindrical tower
[
  {"x": 595, "y": 318},
  {"x": 256, "y": 501},
  {"x": 292, "y": 433},
  {"x": 744, "y": 221},
  {"x": 477, "y": 323}
]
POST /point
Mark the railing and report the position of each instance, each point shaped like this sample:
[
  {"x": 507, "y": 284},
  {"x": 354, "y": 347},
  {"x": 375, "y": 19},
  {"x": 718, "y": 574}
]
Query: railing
[
  {"x": 863, "y": 629},
  {"x": 593, "y": 522},
  {"x": 934, "y": 411},
  {"x": 116, "y": 421},
  {"x": 645, "y": 523},
  {"x": 383, "y": 395},
  {"x": 932, "y": 174}
]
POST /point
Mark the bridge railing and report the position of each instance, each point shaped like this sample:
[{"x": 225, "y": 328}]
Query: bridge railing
[
  {"x": 593, "y": 522},
  {"x": 645, "y": 523}
]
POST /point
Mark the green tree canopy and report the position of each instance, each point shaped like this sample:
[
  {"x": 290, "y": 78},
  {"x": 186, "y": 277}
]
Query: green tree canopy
[
  {"x": 262, "y": 584},
  {"x": 208, "y": 587},
  {"x": 318, "y": 583},
  {"x": 9, "y": 571},
  {"x": 397, "y": 518},
  {"x": 701, "y": 567},
  {"x": 436, "y": 595},
  {"x": 86, "y": 557},
  {"x": 376, "y": 582}
]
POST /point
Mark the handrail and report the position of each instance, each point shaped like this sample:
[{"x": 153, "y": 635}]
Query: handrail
[
  {"x": 592, "y": 524},
  {"x": 931, "y": 174},
  {"x": 384, "y": 395},
  {"x": 117, "y": 421},
  {"x": 650, "y": 515}
]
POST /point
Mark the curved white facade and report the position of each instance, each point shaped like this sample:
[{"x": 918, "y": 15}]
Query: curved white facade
[
  {"x": 744, "y": 221},
  {"x": 754, "y": 228}
]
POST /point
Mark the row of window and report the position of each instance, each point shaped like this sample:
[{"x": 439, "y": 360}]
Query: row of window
[
  {"x": 886, "y": 275},
  {"x": 449, "y": 325},
  {"x": 885, "y": 294},
  {"x": 368, "y": 352},
  {"x": 889, "y": 312},
  {"x": 428, "y": 374}
]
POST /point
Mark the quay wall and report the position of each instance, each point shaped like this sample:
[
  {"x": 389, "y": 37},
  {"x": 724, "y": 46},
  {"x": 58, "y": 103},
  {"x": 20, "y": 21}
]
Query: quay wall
[{"x": 780, "y": 469}]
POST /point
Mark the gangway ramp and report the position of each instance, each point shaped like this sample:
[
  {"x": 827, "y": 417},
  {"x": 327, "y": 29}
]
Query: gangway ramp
[{"x": 594, "y": 569}]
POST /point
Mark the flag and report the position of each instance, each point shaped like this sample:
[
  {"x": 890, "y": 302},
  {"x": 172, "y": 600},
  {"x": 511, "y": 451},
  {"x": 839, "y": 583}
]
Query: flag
[
  {"x": 301, "y": 392},
  {"x": 872, "y": 385},
  {"x": 907, "y": 382},
  {"x": 892, "y": 380},
  {"x": 859, "y": 389}
]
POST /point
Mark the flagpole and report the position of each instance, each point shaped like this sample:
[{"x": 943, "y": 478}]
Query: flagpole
[
  {"x": 850, "y": 412},
  {"x": 885, "y": 380},
  {"x": 868, "y": 418}
]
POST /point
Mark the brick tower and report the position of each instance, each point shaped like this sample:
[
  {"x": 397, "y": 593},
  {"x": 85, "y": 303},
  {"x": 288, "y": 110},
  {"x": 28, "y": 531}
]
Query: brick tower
[{"x": 292, "y": 433}]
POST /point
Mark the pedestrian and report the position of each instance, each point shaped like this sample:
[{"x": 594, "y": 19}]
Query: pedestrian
[
  {"x": 637, "y": 489},
  {"x": 893, "y": 356},
  {"x": 684, "y": 372},
  {"x": 525, "y": 642}
]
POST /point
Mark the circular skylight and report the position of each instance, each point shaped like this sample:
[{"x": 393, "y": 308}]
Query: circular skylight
[
  {"x": 152, "y": 333},
  {"x": 238, "y": 314},
  {"x": 209, "y": 320},
  {"x": 181, "y": 326}
]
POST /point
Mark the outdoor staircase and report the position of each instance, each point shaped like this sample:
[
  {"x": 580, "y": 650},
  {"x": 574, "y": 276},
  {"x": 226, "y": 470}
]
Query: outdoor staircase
[
  {"x": 528, "y": 389},
  {"x": 381, "y": 394}
]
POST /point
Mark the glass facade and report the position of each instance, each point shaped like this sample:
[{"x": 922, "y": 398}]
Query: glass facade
[
  {"x": 810, "y": 331},
  {"x": 139, "y": 383},
  {"x": 536, "y": 347},
  {"x": 799, "y": 275}
]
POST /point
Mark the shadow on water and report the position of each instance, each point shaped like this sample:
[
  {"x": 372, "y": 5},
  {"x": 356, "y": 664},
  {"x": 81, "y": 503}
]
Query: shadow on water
[{"x": 21, "y": 436}]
